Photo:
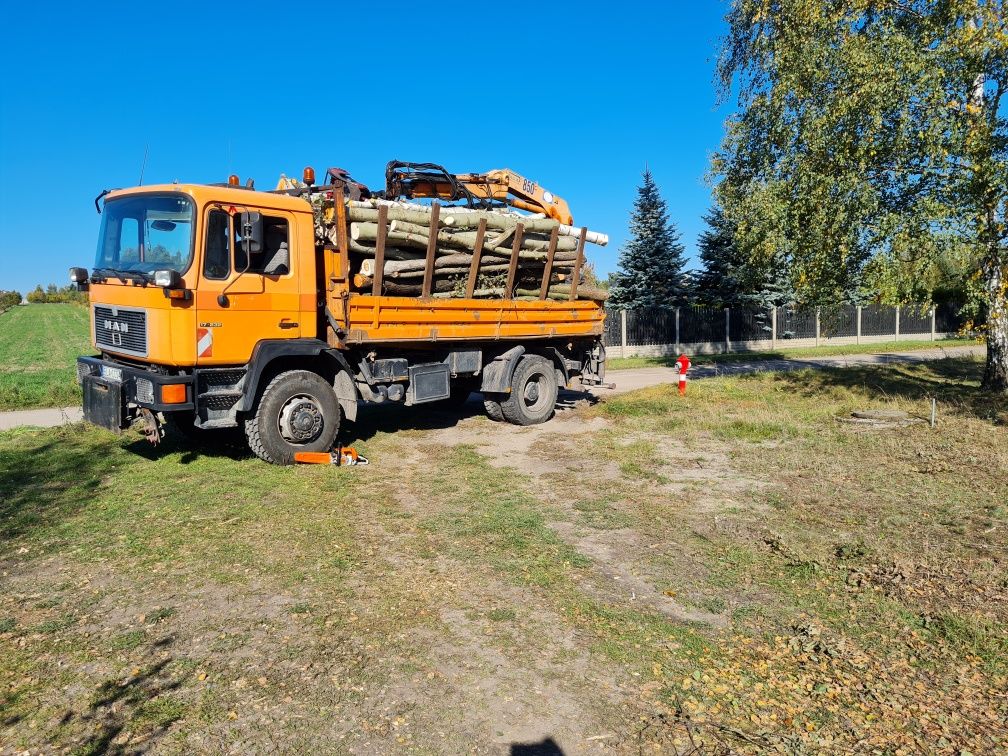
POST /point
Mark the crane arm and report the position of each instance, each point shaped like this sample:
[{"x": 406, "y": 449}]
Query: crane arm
[{"x": 501, "y": 185}]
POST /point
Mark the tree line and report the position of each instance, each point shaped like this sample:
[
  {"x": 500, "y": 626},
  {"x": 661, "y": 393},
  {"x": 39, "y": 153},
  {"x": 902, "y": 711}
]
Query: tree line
[
  {"x": 652, "y": 264},
  {"x": 9, "y": 299},
  {"x": 652, "y": 269},
  {"x": 867, "y": 160},
  {"x": 50, "y": 294}
]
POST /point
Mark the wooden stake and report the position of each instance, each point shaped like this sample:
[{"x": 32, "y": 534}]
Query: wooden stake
[
  {"x": 341, "y": 233},
  {"x": 376, "y": 285},
  {"x": 548, "y": 270},
  {"x": 515, "y": 249},
  {"x": 477, "y": 252},
  {"x": 577, "y": 264},
  {"x": 431, "y": 251}
]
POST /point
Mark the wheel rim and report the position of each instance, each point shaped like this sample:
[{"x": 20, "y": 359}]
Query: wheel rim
[
  {"x": 301, "y": 420},
  {"x": 535, "y": 392}
]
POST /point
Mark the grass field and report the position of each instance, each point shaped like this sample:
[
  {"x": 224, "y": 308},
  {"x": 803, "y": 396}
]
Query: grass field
[
  {"x": 39, "y": 346},
  {"x": 883, "y": 347},
  {"x": 734, "y": 571}
]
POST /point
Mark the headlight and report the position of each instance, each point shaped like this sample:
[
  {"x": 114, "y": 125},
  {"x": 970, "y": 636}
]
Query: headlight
[
  {"x": 78, "y": 275},
  {"x": 167, "y": 279},
  {"x": 144, "y": 391}
]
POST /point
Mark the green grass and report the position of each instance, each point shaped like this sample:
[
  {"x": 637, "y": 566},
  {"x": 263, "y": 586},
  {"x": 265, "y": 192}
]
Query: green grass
[
  {"x": 885, "y": 347},
  {"x": 39, "y": 346},
  {"x": 191, "y": 594}
]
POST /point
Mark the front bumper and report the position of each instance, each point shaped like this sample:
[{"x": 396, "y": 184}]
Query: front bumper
[{"x": 112, "y": 392}]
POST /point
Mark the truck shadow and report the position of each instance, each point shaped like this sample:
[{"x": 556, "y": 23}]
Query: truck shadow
[
  {"x": 373, "y": 419},
  {"x": 220, "y": 444}
]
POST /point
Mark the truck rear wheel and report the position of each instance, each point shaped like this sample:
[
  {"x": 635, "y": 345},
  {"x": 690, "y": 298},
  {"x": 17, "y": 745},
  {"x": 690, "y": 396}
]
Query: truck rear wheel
[
  {"x": 297, "y": 412},
  {"x": 533, "y": 392}
]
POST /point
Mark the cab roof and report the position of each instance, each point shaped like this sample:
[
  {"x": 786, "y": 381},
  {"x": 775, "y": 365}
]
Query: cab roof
[{"x": 203, "y": 193}]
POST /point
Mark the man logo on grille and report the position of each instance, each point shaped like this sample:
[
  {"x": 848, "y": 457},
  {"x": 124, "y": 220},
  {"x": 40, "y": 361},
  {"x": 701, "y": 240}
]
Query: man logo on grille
[{"x": 204, "y": 342}]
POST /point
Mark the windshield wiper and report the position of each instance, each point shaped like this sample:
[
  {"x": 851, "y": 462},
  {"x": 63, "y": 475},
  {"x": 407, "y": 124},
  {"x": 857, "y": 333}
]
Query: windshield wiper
[{"x": 127, "y": 275}]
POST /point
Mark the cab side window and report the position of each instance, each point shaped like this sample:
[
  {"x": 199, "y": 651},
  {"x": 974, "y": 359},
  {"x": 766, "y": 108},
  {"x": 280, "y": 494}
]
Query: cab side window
[
  {"x": 217, "y": 260},
  {"x": 274, "y": 257}
]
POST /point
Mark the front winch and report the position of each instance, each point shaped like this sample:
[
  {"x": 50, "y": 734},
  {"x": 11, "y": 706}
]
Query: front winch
[{"x": 150, "y": 426}]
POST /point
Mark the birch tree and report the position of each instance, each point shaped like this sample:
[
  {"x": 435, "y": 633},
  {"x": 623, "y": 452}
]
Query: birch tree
[{"x": 871, "y": 140}]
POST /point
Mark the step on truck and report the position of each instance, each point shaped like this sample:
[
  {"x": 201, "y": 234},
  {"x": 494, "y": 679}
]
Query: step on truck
[{"x": 276, "y": 312}]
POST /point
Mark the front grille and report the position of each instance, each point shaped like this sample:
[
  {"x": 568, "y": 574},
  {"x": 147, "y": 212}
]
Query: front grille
[{"x": 121, "y": 329}]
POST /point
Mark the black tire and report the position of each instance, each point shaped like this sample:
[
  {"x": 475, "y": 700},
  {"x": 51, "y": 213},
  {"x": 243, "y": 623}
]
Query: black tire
[
  {"x": 533, "y": 392},
  {"x": 298, "y": 411},
  {"x": 492, "y": 405}
]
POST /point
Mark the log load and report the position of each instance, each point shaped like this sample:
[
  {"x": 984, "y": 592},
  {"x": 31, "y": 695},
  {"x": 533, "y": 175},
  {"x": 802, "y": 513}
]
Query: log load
[{"x": 473, "y": 253}]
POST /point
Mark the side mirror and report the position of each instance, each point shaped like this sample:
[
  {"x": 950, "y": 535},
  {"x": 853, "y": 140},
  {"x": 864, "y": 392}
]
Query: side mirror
[{"x": 250, "y": 229}]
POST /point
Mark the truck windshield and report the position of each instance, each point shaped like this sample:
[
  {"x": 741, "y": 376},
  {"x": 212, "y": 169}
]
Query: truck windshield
[{"x": 146, "y": 232}]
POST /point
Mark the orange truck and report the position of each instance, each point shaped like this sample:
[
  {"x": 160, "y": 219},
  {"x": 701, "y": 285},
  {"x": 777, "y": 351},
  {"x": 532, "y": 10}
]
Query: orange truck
[{"x": 193, "y": 324}]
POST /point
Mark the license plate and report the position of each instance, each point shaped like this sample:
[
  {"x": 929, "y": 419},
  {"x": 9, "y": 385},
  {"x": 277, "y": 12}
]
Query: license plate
[{"x": 111, "y": 373}]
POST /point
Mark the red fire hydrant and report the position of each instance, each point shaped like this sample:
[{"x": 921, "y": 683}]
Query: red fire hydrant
[{"x": 682, "y": 365}]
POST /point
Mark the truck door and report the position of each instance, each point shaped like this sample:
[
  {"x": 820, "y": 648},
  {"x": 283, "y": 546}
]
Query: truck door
[{"x": 245, "y": 298}]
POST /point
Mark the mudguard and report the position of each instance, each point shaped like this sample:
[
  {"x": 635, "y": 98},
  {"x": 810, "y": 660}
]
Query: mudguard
[{"x": 498, "y": 372}]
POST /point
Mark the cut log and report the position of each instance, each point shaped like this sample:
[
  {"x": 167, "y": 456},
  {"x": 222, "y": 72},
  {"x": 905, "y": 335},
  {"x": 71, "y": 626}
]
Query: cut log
[
  {"x": 370, "y": 215},
  {"x": 584, "y": 292},
  {"x": 393, "y": 267},
  {"x": 541, "y": 261},
  {"x": 398, "y": 266},
  {"x": 467, "y": 239}
]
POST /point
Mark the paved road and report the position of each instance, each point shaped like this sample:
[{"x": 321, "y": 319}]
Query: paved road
[
  {"x": 630, "y": 380},
  {"x": 625, "y": 380},
  {"x": 43, "y": 418}
]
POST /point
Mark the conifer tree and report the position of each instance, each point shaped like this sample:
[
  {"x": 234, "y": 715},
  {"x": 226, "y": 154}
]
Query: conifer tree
[
  {"x": 716, "y": 283},
  {"x": 651, "y": 262},
  {"x": 730, "y": 277}
]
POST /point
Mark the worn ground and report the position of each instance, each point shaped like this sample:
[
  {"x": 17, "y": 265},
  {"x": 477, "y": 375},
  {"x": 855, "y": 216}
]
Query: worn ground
[{"x": 734, "y": 572}]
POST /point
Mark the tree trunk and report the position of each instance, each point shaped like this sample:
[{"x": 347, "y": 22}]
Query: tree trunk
[{"x": 995, "y": 377}]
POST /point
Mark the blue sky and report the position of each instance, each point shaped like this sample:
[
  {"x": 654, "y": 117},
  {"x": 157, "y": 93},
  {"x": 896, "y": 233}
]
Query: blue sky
[{"x": 576, "y": 96}]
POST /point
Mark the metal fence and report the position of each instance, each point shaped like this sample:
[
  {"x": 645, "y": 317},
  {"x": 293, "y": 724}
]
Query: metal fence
[{"x": 663, "y": 330}]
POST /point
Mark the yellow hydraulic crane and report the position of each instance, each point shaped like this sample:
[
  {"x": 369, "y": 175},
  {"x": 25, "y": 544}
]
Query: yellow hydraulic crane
[{"x": 503, "y": 185}]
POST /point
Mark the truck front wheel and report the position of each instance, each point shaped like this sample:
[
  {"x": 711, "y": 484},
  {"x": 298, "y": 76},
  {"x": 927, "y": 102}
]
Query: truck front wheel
[
  {"x": 298, "y": 411},
  {"x": 533, "y": 392}
]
